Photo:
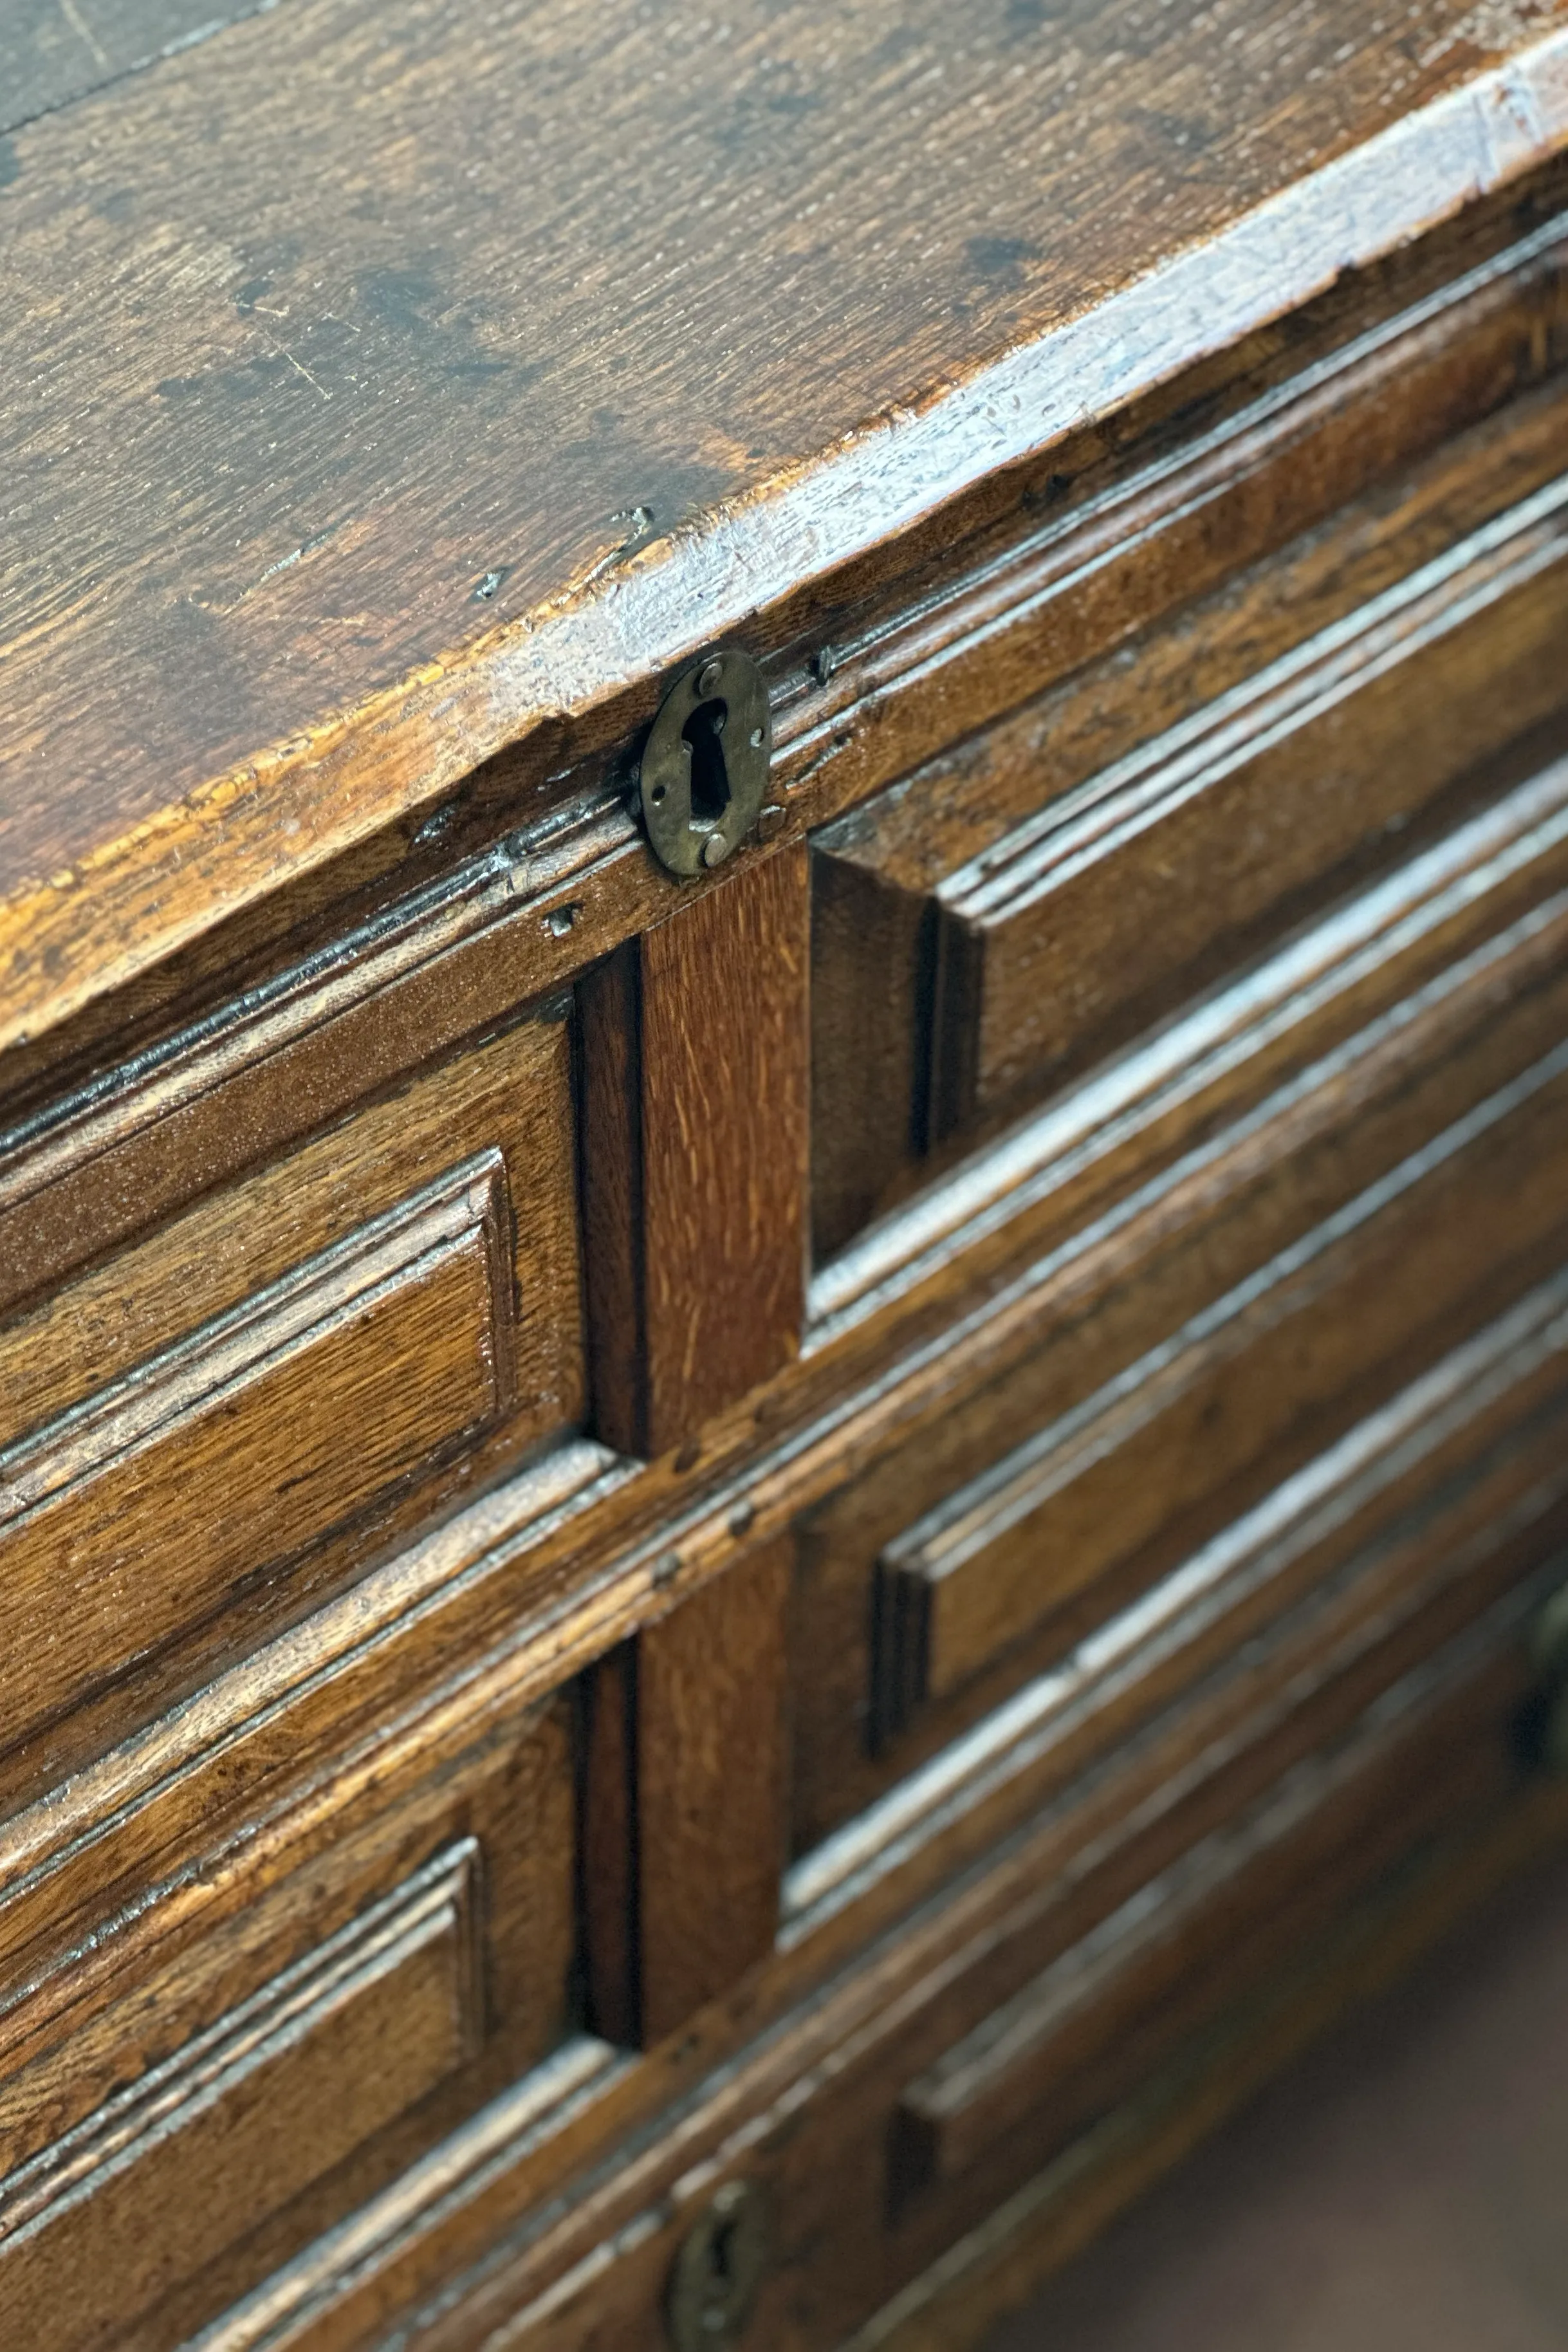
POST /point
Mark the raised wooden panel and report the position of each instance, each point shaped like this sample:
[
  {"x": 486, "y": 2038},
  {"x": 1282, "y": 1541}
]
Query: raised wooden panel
[
  {"x": 1083, "y": 2034},
  {"x": 1399, "y": 971},
  {"x": 1034, "y": 1532},
  {"x": 1451, "y": 1483},
  {"x": 999, "y": 923},
  {"x": 1090, "y": 919},
  {"x": 136, "y": 1517},
  {"x": 137, "y": 2197},
  {"x": 1133, "y": 1429},
  {"x": 366, "y": 1325},
  {"x": 1315, "y": 1812},
  {"x": 193, "y": 2092}
]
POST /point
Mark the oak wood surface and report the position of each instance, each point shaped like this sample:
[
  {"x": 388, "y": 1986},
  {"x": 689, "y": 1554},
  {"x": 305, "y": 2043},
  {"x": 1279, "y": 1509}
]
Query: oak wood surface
[
  {"x": 997, "y": 921},
  {"x": 712, "y": 1777},
  {"x": 1460, "y": 1468},
  {"x": 1210, "y": 1414},
  {"x": 1125, "y": 1319},
  {"x": 809, "y": 2115},
  {"x": 1410, "y": 347},
  {"x": 503, "y": 1585},
  {"x": 137, "y": 2198},
  {"x": 1245, "y": 1380},
  {"x": 695, "y": 1044},
  {"x": 209, "y": 1430},
  {"x": 988, "y": 2274},
  {"x": 235, "y": 1451},
  {"x": 426, "y": 319},
  {"x": 339, "y": 2001}
]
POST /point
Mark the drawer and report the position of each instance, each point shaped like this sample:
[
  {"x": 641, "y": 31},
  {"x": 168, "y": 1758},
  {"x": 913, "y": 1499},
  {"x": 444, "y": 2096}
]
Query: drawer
[
  {"x": 209, "y": 1429},
  {"x": 1019, "y": 1514},
  {"x": 191, "y": 2116},
  {"x": 1003, "y": 920}
]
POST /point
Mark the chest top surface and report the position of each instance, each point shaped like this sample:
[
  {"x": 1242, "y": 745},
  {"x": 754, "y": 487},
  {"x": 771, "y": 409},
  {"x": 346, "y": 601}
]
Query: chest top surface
[{"x": 386, "y": 385}]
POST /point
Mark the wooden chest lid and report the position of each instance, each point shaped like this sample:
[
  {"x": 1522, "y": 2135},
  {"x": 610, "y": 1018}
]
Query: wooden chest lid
[{"x": 385, "y": 380}]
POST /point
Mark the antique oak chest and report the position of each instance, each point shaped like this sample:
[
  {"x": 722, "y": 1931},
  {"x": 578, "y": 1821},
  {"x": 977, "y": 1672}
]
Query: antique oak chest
[{"x": 784, "y": 1082}]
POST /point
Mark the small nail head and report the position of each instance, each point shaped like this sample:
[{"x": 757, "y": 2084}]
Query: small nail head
[
  {"x": 710, "y": 677},
  {"x": 667, "y": 1568},
  {"x": 741, "y": 1518},
  {"x": 715, "y": 849}
]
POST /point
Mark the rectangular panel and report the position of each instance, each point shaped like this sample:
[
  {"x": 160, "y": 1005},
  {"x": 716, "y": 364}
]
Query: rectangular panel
[
  {"x": 1169, "y": 1959},
  {"x": 119, "y": 2211},
  {"x": 238, "y": 1410},
  {"x": 1448, "y": 1484},
  {"x": 965, "y": 966},
  {"x": 1080, "y": 925},
  {"x": 808, "y": 2116},
  {"x": 236, "y": 2049},
  {"x": 1165, "y": 1390},
  {"x": 135, "y": 1516},
  {"x": 1040, "y": 1527}
]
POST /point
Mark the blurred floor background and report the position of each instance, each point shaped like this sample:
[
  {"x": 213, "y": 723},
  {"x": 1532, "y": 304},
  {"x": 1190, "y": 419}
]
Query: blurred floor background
[{"x": 1403, "y": 2189}]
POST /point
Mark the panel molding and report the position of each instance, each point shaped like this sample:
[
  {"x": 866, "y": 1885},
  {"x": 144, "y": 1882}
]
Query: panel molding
[
  {"x": 80, "y": 1501},
  {"x": 1390, "y": 937},
  {"x": 527, "y": 914},
  {"x": 100, "y": 2221},
  {"x": 921, "y": 1651},
  {"x": 1476, "y": 139},
  {"x": 952, "y": 2115},
  {"x": 1357, "y": 1515}
]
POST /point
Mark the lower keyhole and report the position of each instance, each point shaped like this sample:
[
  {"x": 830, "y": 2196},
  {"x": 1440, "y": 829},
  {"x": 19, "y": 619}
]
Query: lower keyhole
[
  {"x": 723, "y": 2256},
  {"x": 710, "y": 778}
]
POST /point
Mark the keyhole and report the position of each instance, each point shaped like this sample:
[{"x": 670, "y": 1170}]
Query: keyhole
[
  {"x": 721, "y": 2255},
  {"x": 710, "y": 778}
]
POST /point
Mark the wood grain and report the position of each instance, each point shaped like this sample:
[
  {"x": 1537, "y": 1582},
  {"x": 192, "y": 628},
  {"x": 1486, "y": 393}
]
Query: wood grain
[
  {"x": 1287, "y": 1011},
  {"x": 1107, "y": 913},
  {"x": 423, "y": 377},
  {"x": 1123, "y": 1318},
  {"x": 69, "y": 1197},
  {"x": 1246, "y": 1377},
  {"x": 523, "y": 1699},
  {"x": 1457, "y": 1475},
  {"x": 712, "y": 1766},
  {"x": 140, "y": 1518},
  {"x": 309, "y": 1326},
  {"x": 808, "y": 2118},
  {"x": 694, "y": 1201},
  {"x": 399, "y": 1947},
  {"x": 503, "y": 1585},
  {"x": 1014, "y": 911},
  {"x": 144, "y": 2192}
]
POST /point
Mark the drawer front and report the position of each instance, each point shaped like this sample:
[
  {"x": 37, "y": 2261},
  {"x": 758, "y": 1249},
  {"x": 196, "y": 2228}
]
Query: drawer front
[
  {"x": 226, "y": 1417},
  {"x": 1001, "y": 922},
  {"x": 1021, "y": 1515},
  {"x": 188, "y": 2118}
]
